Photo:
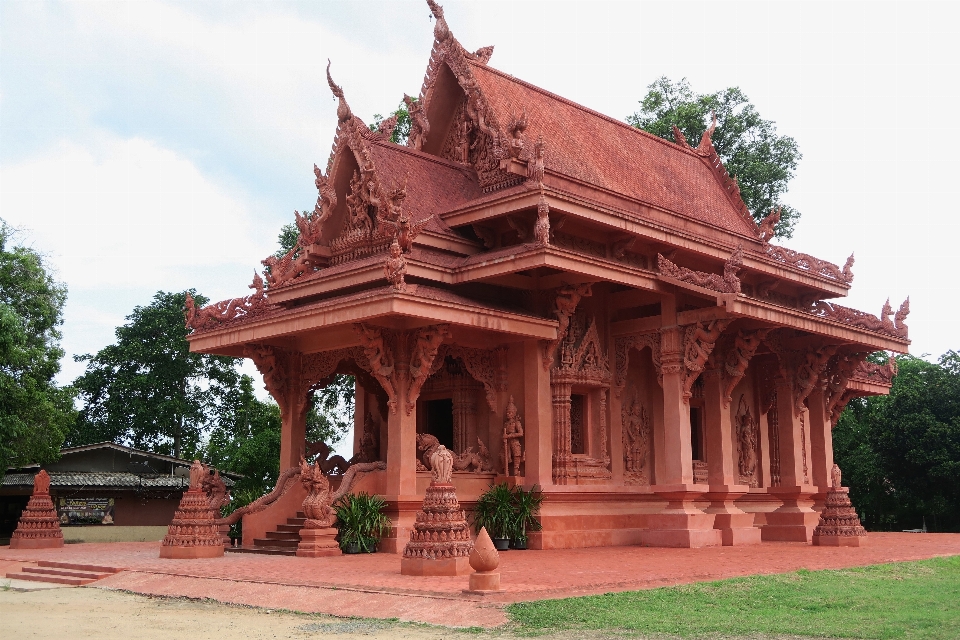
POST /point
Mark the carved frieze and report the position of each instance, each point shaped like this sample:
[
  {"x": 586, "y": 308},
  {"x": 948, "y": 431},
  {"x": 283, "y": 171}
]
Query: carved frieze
[
  {"x": 806, "y": 262},
  {"x": 853, "y": 317},
  {"x": 727, "y": 283},
  {"x": 214, "y": 315}
]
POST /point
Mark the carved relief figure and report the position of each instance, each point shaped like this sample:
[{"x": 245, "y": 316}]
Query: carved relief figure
[
  {"x": 395, "y": 268},
  {"x": 746, "y": 427},
  {"x": 369, "y": 443},
  {"x": 427, "y": 342},
  {"x": 516, "y": 127},
  {"x": 381, "y": 362},
  {"x": 512, "y": 439},
  {"x": 541, "y": 230},
  {"x": 636, "y": 433},
  {"x": 535, "y": 167}
]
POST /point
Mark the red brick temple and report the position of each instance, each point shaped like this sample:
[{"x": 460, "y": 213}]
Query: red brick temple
[{"x": 672, "y": 377}]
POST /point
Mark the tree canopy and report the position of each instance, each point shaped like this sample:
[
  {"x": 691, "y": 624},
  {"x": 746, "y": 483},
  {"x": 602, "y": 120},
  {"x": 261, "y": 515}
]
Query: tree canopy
[
  {"x": 148, "y": 389},
  {"x": 901, "y": 453},
  {"x": 35, "y": 413},
  {"x": 762, "y": 161}
]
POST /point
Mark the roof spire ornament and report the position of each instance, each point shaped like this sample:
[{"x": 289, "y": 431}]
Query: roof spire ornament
[
  {"x": 541, "y": 230},
  {"x": 679, "y": 138},
  {"x": 440, "y": 31},
  {"x": 706, "y": 141},
  {"x": 768, "y": 226},
  {"x": 343, "y": 109}
]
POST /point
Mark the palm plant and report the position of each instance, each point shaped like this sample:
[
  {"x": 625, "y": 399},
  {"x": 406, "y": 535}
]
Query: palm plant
[
  {"x": 526, "y": 505},
  {"x": 495, "y": 512},
  {"x": 361, "y": 520}
]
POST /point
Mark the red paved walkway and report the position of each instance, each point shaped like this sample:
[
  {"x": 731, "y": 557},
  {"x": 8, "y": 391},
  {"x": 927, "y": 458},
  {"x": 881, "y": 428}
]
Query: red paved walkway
[{"x": 371, "y": 585}]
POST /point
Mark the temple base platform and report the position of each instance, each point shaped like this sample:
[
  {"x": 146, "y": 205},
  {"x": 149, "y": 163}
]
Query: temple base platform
[
  {"x": 191, "y": 553},
  {"x": 36, "y": 543},
  {"x": 459, "y": 566}
]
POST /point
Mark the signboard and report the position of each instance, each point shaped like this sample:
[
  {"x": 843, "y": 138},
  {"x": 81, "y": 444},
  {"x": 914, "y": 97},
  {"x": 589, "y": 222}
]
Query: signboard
[{"x": 86, "y": 511}]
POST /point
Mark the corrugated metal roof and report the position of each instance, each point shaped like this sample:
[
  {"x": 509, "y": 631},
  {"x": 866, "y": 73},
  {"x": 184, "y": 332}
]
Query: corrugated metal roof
[{"x": 78, "y": 480}]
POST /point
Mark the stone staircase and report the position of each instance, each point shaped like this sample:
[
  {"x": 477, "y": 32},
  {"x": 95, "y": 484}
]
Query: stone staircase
[
  {"x": 63, "y": 573},
  {"x": 281, "y": 542}
]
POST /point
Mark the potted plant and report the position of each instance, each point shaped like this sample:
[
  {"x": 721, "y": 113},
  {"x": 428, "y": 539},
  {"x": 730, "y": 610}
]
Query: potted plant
[
  {"x": 526, "y": 506},
  {"x": 495, "y": 512},
  {"x": 361, "y": 522}
]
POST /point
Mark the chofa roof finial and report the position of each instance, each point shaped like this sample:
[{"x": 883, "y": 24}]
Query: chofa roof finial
[
  {"x": 706, "y": 140},
  {"x": 440, "y": 31},
  {"x": 343, "y": 109}
]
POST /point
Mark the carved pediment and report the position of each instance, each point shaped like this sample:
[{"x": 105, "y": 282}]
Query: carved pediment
[{"x": 582, "y": 357}]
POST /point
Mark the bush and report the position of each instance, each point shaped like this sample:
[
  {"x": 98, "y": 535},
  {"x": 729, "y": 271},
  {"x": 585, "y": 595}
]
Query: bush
[{"x": 361, "y": 520}]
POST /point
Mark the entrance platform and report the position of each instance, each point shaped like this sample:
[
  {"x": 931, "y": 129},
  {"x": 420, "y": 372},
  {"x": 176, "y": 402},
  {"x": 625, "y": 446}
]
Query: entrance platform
[{"x": 371, "y": 585}]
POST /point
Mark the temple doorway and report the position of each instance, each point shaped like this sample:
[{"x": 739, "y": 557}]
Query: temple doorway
[{"x": 440, "y": 420}]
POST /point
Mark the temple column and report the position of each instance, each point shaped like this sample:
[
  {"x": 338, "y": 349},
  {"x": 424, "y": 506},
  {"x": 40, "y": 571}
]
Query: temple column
[
  {"x": 795, "y": 520},
  {"x": 538, "y": 418},
  {"x": 681, "y": 523},
  {"x": 821, "y": 440},
  {"x": 615, "y": 421},
  {"x": 735, "y": 526}
]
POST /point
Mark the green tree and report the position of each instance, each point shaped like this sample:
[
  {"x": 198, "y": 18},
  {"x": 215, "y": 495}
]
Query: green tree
[
  {"x": 901, "y": 453},
  {"x": 762, "y": 161},
  {"x": 35, "y": 414},
  {"x": 148, "y": 389}
]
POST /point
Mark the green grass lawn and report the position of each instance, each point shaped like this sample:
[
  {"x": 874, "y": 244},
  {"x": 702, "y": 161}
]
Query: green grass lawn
[{"x": 900, "y": 600}]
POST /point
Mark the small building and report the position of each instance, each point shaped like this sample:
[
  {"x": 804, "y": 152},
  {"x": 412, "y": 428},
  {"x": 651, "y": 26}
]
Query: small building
[{"x": 103, "y": 493}]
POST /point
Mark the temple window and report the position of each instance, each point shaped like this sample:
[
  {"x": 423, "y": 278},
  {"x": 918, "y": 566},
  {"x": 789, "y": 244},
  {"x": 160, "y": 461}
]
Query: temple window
[{"x": 578, "y": 424}]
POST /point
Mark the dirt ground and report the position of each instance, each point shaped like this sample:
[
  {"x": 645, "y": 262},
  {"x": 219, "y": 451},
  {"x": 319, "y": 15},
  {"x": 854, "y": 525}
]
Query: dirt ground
[{"x": 110, "y": 615}]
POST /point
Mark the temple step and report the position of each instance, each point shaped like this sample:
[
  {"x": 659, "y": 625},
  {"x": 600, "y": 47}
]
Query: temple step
[
  {"x": 283, "y": 535},
  {"x": 270, "y": 551},
  {"x": 298, "y": 522},
  {"x": 67, "y": 573},
  {"x": 273, "y": 542},
  {"x": 63, "y": 573},
  {"x": 35, "y": 577},
  {"x": 73, "y": 566},
  {"x": 289, "y": 528}
]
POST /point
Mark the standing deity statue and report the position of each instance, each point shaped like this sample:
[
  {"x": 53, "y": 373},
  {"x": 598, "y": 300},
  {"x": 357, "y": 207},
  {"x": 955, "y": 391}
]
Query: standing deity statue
[
  {"x": 746, "y": 427},
  {"x": 395, "y": 267},
  {"x": 835, "y": 476},
  {"x": 512, "y": 435},
  {"x": 441, "y": 464},
  {"x": 636, "y": 429},
  {"x": 197, "y": 472}
]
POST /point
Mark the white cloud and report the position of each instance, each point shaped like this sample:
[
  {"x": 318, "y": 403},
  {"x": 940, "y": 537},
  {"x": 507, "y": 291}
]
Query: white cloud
[{"x": 126, "y": 212}]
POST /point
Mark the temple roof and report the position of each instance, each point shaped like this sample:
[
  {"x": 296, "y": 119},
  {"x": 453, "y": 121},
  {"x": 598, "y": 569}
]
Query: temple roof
[{"x": 596, "y": 149}]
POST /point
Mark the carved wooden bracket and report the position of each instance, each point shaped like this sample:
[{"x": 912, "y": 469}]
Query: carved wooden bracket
[
  {"x": 698, "y": 342},
  {"x": 566, "y": 302},
  {"x": 737, "y": 359}
]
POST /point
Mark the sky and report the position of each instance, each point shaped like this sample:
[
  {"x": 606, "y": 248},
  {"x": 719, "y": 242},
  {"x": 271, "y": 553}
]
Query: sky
[{"x": 150, "y": 146}]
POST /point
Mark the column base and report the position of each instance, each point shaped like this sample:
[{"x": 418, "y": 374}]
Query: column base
[
  {"x": 192, "y": 553},
  {"x": 839, "y": 541},
  {"x": 795, "y": 520},
  {"x": 484, "y": 583},
  {"x": 736, "y": 529},
  {"x": 318, "y": 543},
  {"x": 443, "y": 567},
  {"x": 681, "y": 524}
]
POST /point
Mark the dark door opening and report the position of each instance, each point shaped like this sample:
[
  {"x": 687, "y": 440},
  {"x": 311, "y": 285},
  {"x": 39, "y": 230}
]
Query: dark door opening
[
  {"x": 440, "y": 421},
  {"x": 696, "y": 445}
]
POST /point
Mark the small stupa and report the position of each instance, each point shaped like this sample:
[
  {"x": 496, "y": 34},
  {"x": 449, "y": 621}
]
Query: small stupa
[
  {"x": 440, "y": 541},
  {"x": 484, "y": 559},
  {"x": 194, "y": 532},
  {"x": 839, "y": 524},
  {"x": 39, "y": 526}
]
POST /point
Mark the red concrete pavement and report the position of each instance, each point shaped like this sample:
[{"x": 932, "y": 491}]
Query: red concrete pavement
[{"x": 371, "y": 585}]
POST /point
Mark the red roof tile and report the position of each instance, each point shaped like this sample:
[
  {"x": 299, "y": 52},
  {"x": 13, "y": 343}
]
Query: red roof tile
[{"x": 604, "y": 152}]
